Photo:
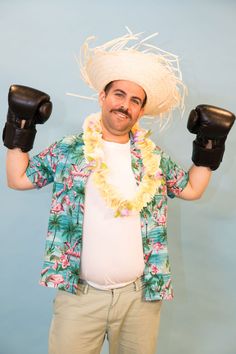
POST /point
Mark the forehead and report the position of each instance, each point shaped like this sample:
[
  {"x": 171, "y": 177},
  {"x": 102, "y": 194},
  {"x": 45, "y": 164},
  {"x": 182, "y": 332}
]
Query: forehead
[{"x": 128, "y": 87}]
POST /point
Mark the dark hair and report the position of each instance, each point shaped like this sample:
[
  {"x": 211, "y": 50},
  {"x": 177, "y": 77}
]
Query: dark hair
[{"x": 109, "y": 86}]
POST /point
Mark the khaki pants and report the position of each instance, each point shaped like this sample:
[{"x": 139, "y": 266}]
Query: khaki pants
[{"x": 81, "y": 322}]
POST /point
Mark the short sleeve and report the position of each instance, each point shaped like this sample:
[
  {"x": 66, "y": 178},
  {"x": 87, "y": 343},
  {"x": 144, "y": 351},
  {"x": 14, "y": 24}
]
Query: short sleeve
[
  {"x": 42, "y": 167},
  {"x": 176, "y": 177}
]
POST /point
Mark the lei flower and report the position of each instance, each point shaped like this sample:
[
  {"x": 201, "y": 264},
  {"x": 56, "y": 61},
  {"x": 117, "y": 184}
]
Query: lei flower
[{"x": 94, "y": 155}]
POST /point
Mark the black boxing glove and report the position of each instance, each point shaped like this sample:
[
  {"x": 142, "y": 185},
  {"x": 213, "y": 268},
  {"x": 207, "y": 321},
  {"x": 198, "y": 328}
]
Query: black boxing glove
[
  {"x": 27, "y": 107},
  {"x": 212, "y": 125}
]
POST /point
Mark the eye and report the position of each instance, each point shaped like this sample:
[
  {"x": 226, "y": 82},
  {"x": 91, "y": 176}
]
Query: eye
[
  {"x": 134, "y": 100},
  {"x": 119, "y": 94}
]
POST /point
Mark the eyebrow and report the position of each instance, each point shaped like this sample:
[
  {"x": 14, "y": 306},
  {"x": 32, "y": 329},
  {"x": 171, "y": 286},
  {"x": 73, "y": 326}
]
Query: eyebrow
[{"x": 136, "y": 97}]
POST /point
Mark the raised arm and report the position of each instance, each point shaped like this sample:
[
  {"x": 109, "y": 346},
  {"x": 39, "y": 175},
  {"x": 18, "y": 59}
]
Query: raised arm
[
  {"x": 16, "y": 165},
  {"x": 212, "y": 125},
  {"x": 27, "y": 107},
  {"x": 199, "y": 178}
]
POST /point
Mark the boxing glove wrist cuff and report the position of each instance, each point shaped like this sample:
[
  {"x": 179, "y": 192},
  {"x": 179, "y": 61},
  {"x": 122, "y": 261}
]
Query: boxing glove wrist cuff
[
  {"x": 207, "y": 157},
  {"x": 14, "y": 137}
]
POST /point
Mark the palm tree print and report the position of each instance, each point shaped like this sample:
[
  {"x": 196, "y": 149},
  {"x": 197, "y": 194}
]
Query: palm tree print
[
  {"x": 70, "y": 232},
  {"x": 55, "y": 225},
  {"x": 73, "y": 150}
]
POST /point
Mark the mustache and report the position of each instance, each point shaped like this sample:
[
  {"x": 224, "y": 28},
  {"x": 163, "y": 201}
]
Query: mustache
[{"x": 121, "y": 110}]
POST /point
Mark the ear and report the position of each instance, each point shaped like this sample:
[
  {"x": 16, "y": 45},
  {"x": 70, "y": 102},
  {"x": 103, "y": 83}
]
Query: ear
[{"x": 101, "y": 97}]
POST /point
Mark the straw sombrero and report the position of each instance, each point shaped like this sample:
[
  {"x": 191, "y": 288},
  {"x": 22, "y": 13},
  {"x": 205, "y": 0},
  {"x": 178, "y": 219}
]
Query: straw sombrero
[{"x": 132, "y": 58}]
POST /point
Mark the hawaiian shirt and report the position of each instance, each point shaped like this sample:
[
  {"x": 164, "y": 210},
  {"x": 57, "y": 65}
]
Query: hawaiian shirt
[{"x": 63, "y": 163}]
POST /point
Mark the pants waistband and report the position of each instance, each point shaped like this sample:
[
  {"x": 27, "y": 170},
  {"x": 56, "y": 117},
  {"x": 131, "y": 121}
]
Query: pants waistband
[{"x": 136, "y": 285}]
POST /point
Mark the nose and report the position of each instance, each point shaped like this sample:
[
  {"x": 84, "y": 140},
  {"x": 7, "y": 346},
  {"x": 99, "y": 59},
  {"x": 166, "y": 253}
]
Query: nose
[{"x": 125, "y": 104}]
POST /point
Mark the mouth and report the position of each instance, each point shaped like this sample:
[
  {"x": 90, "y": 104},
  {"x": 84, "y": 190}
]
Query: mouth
[{"x": 121, "y": 115}]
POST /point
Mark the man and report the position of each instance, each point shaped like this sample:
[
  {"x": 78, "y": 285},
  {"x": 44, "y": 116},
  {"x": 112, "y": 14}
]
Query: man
[{"x": 106, "y": 247}]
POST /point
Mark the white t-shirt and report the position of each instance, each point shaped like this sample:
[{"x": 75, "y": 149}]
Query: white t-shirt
[{"x": 112, "y": 253}]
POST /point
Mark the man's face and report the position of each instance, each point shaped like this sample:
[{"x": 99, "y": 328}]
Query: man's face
[{"x": 121, "y": 108}]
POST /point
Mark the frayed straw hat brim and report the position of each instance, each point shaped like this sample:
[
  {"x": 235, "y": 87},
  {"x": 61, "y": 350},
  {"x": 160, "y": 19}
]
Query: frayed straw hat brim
[{"x": 152, "y": 68}]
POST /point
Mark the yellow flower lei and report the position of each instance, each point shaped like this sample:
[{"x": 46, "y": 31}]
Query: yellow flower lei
[{"x": 95, "y": 157}]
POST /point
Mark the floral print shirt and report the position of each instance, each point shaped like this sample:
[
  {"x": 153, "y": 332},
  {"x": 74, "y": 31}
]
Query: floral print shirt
[{"x": 63, "y": 163}]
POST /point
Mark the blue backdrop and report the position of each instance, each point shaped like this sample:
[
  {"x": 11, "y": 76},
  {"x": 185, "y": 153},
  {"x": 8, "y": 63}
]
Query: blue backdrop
[{"x": 38, "y": 42}]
